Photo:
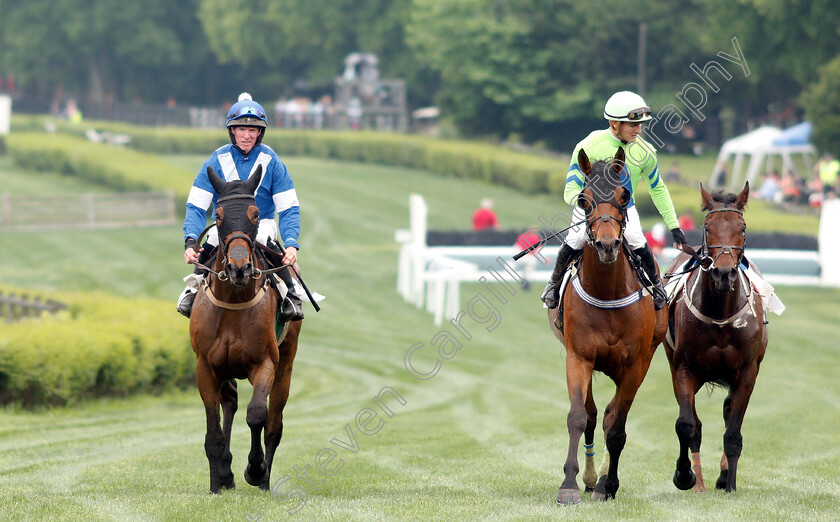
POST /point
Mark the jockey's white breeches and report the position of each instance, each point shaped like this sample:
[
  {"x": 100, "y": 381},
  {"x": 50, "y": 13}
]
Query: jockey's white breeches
[{"x": 633, "y": 233}]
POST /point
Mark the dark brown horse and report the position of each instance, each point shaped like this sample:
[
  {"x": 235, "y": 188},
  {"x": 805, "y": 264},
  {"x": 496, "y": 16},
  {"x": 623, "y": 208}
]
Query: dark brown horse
[
  {"x": 717, "y": 335},
  {"x": 609, "y": 325},
  {"x": 232, "y": 329}
]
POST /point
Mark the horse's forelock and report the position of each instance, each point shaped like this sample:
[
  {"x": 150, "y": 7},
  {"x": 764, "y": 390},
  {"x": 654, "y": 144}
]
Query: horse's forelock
[
  {"x": 601, "y": 178},
  {"x": 726, "y": 199}
]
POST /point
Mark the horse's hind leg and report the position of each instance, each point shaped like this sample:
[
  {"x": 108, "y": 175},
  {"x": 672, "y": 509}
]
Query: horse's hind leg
[
  {"x": 214, "y": 439},
  {"x": 590, "y": 477},
  {"x": 229, "y": 399},
  {"x": 686, "y": 427},
  {"x": 277, "y": 400},
  {"x": 578, "y": 379},
  {"x": 738, "y": 399},
  {"x": 262, "y": 378}
]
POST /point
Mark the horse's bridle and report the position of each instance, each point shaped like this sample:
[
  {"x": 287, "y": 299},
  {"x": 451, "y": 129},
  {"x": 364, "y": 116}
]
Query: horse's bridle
[
  {"x": 708, "y": 260},
  {"x": 597, "y": 221}
]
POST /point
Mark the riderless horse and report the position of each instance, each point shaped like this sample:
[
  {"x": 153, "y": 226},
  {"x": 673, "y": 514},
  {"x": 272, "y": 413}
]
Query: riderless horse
[
  {"x": 608, "y": 325},
  {"x": 232, "y": 329},
  {"x": 717, "y": 334}
]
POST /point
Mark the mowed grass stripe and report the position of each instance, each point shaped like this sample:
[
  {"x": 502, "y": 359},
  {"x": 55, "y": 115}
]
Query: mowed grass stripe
[{"x": 485, "y": 438}]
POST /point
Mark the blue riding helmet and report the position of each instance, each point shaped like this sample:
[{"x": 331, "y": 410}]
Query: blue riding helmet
[{"x": 246, "y": 113}]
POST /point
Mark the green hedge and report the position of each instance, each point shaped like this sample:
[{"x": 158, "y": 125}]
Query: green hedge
[
  {"x": 101, "y": 346},
  {"x": 118, "y": 168},
  {"x": 528, "y": 173}
]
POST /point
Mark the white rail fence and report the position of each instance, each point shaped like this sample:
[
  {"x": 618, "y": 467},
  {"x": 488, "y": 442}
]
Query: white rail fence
[{"x": 430, "y": 277}]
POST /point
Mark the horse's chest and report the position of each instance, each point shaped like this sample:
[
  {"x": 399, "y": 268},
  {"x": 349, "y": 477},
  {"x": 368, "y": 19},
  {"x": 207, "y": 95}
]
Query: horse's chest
[{"x": 235, "y": 357}]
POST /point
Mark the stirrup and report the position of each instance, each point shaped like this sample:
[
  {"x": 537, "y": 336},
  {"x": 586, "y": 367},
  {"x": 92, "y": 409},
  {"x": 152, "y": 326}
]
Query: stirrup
[
  {"x": 660, "y": 297},
  {"x": 551, "y": 294},
  {"x": 185, "y": 304},
  {"x": 291, "y": 308}
]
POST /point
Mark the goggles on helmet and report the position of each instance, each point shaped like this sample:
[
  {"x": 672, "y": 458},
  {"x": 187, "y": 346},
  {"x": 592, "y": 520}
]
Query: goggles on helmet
[{"x": 634, "y": 115}]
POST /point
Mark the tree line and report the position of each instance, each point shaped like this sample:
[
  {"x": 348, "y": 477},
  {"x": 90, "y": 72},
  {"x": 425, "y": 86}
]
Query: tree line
[{"x": 523, "y": 70}]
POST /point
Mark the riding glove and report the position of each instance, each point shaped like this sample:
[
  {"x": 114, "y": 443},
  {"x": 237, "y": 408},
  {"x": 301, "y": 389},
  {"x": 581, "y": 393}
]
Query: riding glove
[{"x": 679, "y": 236}]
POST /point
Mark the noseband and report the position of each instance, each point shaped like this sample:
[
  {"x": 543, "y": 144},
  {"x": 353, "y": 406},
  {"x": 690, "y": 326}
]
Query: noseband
[{"x": 708, "y": 261}]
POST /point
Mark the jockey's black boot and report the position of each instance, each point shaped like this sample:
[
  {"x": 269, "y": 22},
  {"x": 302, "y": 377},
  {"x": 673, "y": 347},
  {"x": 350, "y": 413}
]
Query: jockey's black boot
[
  {"x": 660, "y": 298},
  {"x": 551, "y": 294},
  {"x": 185, "y": 301},
  {"x": 291, "y": 309}
]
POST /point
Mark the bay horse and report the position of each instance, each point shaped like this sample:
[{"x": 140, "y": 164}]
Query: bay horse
[
  {"x": 232, "y": 330},
  {"x": 717, "y": 334},
  {"x": 609, "y": 325}
]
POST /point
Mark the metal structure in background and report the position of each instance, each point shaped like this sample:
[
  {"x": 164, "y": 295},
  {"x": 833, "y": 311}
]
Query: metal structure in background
[{"x": 363, "y": 101}]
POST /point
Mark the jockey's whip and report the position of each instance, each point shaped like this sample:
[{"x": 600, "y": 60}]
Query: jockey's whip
[
  {"x": 297, "y": 273},
  {"x": 543, "y": 241}
]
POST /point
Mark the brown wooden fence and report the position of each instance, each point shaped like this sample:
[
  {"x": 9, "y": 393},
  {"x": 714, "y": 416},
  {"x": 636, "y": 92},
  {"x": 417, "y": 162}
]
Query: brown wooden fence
[
  {"x": 15, "y": 307},
  {"x": 81, "y": 211}
]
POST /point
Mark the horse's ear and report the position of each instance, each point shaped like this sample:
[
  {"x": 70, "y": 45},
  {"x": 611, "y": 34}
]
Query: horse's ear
[
  {"x": 706, "y": 199},
  {"x": 744, "y": 196},
  {"x": 583, "y": 162},
  {"x": 253, "y": 182},
  {"x": 618, "y": 161},
  {"x": 217, "y": 182},
  {"x": 622, "y": 195}
]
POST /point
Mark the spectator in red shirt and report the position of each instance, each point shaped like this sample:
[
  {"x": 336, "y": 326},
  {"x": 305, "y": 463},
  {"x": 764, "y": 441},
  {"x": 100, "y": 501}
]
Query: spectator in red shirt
[
  {"x": 484, "y": 217},
  {"x": 656, "y": 238},
  {"x": 686, "y": 221},
  {"x": 529, "y": 261}
]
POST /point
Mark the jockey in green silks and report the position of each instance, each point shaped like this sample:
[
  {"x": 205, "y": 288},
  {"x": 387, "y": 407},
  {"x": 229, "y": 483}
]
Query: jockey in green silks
[{"x": 626, "y": 112}]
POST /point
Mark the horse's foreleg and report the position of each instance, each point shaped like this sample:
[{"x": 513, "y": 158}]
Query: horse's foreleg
[
  {"x": 615, "y": 436},
  {"x": 700, "y": 486},
  {"x": 732, "y": 440},
  {"x": 590, "y": 477},
  {"x": 214, "y": 439},
  {"x": 229, "y": 399},
  {"x": 262, "y": 379},
  {"x": 686, "y": 427},
  {"x": 578, "y": 379},
  {"x": 277, "y": 401}
]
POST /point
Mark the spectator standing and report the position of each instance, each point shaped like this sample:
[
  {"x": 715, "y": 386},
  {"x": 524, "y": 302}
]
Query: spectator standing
[
  {"x": 829, "y": 170},
  {"x": 484, "y": 217},
  {"x": 529, "y": 262}
]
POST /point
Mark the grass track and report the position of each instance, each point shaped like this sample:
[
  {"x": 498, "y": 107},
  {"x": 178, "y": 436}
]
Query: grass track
[{"x": 484, "y": 439}]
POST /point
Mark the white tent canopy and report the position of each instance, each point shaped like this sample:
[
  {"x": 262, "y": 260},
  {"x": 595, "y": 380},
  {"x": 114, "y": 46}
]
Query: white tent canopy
[{"x": 761, "y": 146}]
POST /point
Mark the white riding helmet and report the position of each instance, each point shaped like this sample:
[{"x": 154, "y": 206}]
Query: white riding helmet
[{"x": 626, "y": 106}]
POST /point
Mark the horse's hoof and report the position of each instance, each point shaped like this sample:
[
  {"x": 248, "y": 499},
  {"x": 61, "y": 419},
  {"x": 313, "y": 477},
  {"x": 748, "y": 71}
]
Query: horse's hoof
[
  {"x": 600, "y": 491},
  {"x": 682, "y": 484},
  {"x": 722, "y": 479},
  {"x": 567, "y": 496},
  {"x": 253, "y": 480}
]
